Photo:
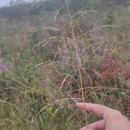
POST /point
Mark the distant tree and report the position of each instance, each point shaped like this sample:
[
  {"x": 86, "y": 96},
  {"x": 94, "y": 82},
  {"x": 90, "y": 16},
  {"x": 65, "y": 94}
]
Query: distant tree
[
  {"x": 43, "y": 6},
  {"x": 16, "y": 2},
  {"x": 14, "y": 12},
  {"x": 76, "y": 4},
  {"x": 117, "y": 2},
  {"x": 11, "y": 3}
]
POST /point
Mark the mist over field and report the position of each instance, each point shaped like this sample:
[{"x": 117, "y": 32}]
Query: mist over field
[{"x": 55, "y": 53}]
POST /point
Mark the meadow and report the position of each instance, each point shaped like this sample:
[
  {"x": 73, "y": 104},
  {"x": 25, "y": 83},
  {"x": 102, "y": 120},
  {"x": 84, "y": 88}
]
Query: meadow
[{"x": 51, "y": 61}]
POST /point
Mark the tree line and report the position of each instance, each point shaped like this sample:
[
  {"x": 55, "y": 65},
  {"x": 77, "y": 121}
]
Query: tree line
[{"x": 19, "y": 8}]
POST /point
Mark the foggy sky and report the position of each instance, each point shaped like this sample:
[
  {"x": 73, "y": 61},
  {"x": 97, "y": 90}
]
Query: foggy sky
[{"x": 5, "y": 2}]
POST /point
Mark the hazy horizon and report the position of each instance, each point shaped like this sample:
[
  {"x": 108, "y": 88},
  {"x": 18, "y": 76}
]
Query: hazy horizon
[{"x": 6, "y": 2}]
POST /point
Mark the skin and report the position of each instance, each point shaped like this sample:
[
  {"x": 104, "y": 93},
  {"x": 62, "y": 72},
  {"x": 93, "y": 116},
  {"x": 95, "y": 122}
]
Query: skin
[{"x": 111, "y": 119}]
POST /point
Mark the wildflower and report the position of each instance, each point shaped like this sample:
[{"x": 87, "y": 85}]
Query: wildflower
[
  {"x": 49, "y": 109},
  {"x": 33, "y": 30},
  {"x": 113, "y": 51}
]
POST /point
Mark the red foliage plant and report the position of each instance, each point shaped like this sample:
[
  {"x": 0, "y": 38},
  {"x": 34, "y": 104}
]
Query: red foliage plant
[{"x": 110, "y": 68}]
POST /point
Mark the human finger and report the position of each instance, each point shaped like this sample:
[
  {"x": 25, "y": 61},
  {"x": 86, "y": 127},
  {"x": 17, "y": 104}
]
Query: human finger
[
  {"x": 99, "y": 110},
  {"x": 84, "y": 128},
  {"x": 99, "y": 125}
]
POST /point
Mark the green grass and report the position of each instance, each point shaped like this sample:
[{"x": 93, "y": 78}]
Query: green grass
[{"x": 42, "y": 84}]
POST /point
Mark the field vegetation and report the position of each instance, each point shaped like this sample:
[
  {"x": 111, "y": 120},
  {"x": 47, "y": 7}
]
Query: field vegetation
[{"x": 56, "y": 53}]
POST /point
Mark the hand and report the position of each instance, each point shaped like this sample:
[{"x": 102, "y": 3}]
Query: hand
[{"x": 112, "y": 119}]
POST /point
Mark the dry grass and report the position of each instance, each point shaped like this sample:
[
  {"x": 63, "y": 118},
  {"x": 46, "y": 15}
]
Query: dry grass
[{"x": 43, "y": 82}]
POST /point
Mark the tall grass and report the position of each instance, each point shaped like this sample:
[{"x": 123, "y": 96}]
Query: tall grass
[{"x": 42, "y": 82}]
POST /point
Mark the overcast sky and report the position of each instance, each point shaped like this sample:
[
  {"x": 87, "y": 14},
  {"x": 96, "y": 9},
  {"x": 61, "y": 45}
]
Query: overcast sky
[{"x": 6, "y": 2}]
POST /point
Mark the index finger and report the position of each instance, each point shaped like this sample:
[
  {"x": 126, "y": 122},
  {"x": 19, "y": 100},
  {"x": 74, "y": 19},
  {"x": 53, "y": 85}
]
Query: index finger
[{"x": 99, "y": 110}]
